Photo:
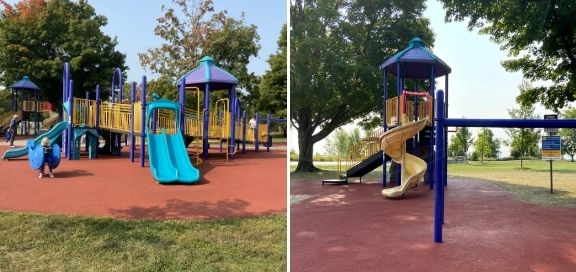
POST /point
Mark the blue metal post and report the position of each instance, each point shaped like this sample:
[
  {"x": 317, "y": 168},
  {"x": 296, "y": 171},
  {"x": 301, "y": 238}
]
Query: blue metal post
[
  {"x": 98, "y": 102},
  {"x": 384, "y": 125},
  {"x": 132, "y": 135},
  {"x": 143, "y": 122},
  {"x": 206, "y": 120},
  {"x": 65, "y": 82},
  {"x": 439, "y": 193},
  {"x": 446, "y": 132},
  {"x": 182, "y": 102},
  {"x": 232, "y": 143},
  {"x": 70, "y": 124},
  {"x": 244, "y": 132},
  {"x": 431, "y": 139},
  {"x": 256, "y": 133}
]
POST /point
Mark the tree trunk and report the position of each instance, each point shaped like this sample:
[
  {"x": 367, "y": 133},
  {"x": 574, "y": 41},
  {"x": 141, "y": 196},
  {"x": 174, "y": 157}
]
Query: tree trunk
[
  {"x": 572, "y": 157},
  {"x": 306, "y": 147}
]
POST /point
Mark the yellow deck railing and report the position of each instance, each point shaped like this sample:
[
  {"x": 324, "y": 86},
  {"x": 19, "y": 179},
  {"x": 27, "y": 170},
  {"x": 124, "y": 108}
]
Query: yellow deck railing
[
  {"x": 117, "y": 117},
  {"x": 425, "y": 110}
]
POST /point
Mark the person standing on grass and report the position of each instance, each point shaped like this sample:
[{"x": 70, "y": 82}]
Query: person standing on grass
[{"x": 12, "y": 129}]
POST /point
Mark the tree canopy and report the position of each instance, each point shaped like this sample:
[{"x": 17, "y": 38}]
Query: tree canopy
[
  {"x": 338, "y": 145},
  {"x": 486, "y": 145},
  {"x": 460, "y": 142},
  {"x": 273, "y": 86},
  {"x": 540, "y": 37},
  {"x": 201, "y": 31},
  {"x": 335, "y": 51},
  {"x": 38, "y": 36},
  {"x": 523, "y": 141},
  {"x": 568, "y": 135}
]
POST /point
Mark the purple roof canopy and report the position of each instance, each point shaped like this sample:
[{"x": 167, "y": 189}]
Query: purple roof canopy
[
  {"x": 25, "y": 84},
  {"x": 207, "y": 72},
  {"x": 416, "y": 60}
]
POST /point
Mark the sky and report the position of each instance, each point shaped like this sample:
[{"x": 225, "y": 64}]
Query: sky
[
  {"x": 132, "y": 22},
  {"x": 479, "y": 87}
]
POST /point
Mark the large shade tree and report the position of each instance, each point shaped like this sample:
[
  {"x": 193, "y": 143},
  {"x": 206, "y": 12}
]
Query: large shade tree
[
  {"x": 540, "y": 37},
  {"x": 38, "y": 36},
  {"x": 192, "y": 29},
  {"x": 336, "y": 48},
  {"x": 273, "y": 86}
]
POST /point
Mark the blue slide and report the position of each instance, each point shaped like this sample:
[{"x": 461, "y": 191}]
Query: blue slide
[
  {"x": 169, "y": 161},
  {"x": 53, "y": 135}
]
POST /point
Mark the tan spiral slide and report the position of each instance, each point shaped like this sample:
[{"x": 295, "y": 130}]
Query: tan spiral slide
[{"x": 393, "y": 143}]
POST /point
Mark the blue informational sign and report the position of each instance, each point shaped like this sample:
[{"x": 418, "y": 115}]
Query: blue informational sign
[{"x": 550, "y": 142}]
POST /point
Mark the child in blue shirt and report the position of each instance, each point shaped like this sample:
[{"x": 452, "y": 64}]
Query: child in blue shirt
[{"x": 48, "y": 157}]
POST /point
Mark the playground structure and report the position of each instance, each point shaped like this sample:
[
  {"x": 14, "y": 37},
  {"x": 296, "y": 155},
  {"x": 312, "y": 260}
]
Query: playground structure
[
  {"x": 418, "y": 64},
  {"x": 167, "y": 127},
  {"x": 26, "y": 104},
  {"x": 408, "y": 124}
]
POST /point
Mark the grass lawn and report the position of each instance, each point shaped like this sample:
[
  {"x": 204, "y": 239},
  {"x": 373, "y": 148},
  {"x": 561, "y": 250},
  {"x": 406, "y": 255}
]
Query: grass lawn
[
  {"x": 62, "y": 243},
  {"x": 530, "y": 183}
]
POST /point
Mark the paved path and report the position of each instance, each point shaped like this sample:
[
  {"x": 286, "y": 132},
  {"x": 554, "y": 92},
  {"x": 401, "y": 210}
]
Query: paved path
[{"x": 352, "y": 228}]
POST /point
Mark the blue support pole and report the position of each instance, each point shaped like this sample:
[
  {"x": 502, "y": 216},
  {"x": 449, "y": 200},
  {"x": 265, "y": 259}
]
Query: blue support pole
[
  {"x": 65, "y": 82},
  {"x": 206, "y": 120},
  {"x": 439, "y": 193},
  {"x": 70, "y": 124},
  {"x": 256, "y": 133},
  {"x": 446, "y": 131},
  {"x": 244, "y": 132},
  {"x": 431, "y": 136},
  {"x": 98, "y": 102},
  {"x": 132, "y": 135},
  {"x": 143, "y": 123},
  {"x": 182, "y": 102},
  {"x": 232, "y": 144}
]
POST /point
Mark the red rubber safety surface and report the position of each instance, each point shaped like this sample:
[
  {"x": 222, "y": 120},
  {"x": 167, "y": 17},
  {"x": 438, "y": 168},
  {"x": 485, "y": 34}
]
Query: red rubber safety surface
[
  {"x": 353, "y": 228},
  {"x": 252, "y": 185}
]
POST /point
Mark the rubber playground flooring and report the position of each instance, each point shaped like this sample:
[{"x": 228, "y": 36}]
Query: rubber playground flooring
[
  {"x": 252, "y": 185},
  {"x": 353, "y": 228}
]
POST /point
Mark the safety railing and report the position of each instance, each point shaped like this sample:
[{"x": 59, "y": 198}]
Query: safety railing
[
  {"x": 408, "y": 107},
  {"x": 84, "y": 112}
]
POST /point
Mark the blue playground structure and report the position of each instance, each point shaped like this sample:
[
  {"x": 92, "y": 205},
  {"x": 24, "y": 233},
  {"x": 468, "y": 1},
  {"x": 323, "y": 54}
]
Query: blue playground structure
[{"x": 418, "y": 64}]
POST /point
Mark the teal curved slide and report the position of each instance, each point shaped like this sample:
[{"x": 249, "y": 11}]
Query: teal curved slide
[
  {"x": 169, "y": 161},
  {"x": 53, "y": 135}
]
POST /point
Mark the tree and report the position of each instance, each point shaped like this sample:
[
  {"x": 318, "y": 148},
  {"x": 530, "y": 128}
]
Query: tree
[
  {"x": 273, "y": 86},
  {"x": 338, "y": 145},
  {"x": 38, "y": 36},
  {"x": 335, "y": 50},
  {"x": 523, "y": 141},
  {"x": 568, "y": 135},
  {"x": 460, "y": 142},
  {"x": 540, "y": 37},
  {"x": 202, "y": 31},
  {"x": 486, "y": 146}
]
